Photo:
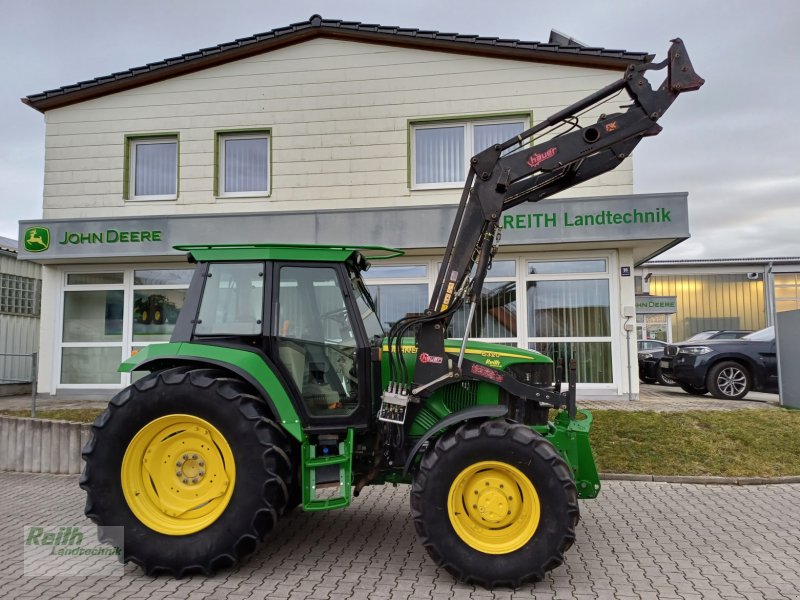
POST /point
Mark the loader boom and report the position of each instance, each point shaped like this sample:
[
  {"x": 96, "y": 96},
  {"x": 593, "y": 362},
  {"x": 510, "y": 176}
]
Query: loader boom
[{"x": 498, "y": 181}]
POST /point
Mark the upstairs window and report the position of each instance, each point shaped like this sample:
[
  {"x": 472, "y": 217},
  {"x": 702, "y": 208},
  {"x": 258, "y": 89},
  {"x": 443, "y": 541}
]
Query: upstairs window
[
  {"x": 153, "y": 168},
  {"x": 441, "y": 151},
  {"x": 243, "y": 164}
]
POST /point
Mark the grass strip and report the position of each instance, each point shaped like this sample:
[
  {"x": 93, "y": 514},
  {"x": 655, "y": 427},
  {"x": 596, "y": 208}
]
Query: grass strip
[{"x": 737, "y": 443}]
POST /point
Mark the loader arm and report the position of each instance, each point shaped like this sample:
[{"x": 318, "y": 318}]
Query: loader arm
[{"x": 498, "y": 181}]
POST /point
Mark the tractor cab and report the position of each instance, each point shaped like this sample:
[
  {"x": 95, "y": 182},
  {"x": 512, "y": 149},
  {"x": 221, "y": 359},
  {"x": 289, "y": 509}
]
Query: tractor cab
[{"x": 305, "y": 309}]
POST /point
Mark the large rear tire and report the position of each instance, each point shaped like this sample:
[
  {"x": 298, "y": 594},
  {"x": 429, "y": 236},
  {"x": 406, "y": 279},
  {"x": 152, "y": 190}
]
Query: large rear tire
[
  {"x": 495, "y": 504},
  {"x": 185, "y": 463}
]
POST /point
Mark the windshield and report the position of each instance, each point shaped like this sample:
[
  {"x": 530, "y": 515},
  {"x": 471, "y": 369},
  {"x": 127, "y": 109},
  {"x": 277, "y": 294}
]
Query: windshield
[
  {"x": 703, "y": 335},
  {"x": 366, "y": 307},
  {"x": 763, "y": 335}
]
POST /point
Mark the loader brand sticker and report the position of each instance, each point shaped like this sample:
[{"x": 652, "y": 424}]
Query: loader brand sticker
[
  {"x": 537, "y": 158},
  {"x": 70, "y": 551},
  {"x": 109, "y": 236},
  {"x": 430, "y": 358},
  {"x": 486, "y": 373},
  {"x": 36, "y": 239}
]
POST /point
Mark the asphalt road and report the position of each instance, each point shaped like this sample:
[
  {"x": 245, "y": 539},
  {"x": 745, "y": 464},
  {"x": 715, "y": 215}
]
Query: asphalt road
[{"x": 637, "y": 540}]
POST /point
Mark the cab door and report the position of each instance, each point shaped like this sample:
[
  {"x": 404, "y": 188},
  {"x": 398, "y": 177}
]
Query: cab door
[{"x": 320, "y": 345}]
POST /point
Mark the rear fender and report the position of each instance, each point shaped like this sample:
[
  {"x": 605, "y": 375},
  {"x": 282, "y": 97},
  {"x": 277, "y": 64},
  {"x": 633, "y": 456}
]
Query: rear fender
[{"x": 251, "y": 366}]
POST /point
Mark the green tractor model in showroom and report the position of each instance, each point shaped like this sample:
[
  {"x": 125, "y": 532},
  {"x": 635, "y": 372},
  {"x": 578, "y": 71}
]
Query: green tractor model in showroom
[{"x": 280, "y": 387}]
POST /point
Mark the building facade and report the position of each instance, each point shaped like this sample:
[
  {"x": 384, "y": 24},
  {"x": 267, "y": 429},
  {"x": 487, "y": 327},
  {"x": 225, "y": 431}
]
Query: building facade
[
  {"x": 20, "y": 300},
  {"x": 336, "y": 133}
]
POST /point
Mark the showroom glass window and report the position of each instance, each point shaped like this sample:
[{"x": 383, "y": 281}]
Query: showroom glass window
[
  {"x": 440, "y": 151},
  {"x": 111, "y": 314},
  {"x": 153, "y": 168},
  {"x": 495, "y": 318},
  {"x": 569, "y": 314},
  {"x": 243, "y": 164},
  {"x": 397, "y": 290}
]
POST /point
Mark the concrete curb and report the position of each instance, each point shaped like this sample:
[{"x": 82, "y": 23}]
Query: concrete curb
[
  {"x": 701, "y": 479},
  {"x": 41, "y": 446}
]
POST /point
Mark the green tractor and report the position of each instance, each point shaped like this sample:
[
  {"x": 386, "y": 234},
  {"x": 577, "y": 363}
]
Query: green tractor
[{"x": 280, "y": 388}]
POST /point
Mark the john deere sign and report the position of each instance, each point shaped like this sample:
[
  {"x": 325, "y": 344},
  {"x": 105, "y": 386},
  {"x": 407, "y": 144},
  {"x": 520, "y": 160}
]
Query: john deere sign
[
  {"x": 110, "y": 236},
  {"x": 656, "y": 304},
  {"x": 647, "y": 223},
  {"x": 36, "y": 239}
]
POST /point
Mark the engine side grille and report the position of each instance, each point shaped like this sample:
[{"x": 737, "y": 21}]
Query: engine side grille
[{"x": 459, "y": 397}]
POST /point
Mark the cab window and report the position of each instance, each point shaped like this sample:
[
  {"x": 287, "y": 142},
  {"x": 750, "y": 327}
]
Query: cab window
[
  {"x": 316, "y": 341},
  {"x": 233, "y": 300}
]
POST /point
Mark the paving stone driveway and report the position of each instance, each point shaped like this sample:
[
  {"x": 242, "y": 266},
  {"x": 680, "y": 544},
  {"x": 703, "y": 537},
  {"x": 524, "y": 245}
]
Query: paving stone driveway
[{"x": 638, "y": 540}]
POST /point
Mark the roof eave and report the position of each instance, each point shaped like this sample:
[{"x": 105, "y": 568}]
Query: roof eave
[{"x": 92, "y": 89}]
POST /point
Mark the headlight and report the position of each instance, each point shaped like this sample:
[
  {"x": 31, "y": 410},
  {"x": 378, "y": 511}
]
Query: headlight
[
  {"x": 645, "y": 356},
  {"x": 694, "y": 350}
]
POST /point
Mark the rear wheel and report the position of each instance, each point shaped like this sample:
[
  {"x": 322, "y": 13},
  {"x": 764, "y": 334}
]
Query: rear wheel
[
  {"x": 694, "y": 390},
  {"x": 495, "y": 504},
  {"x": 729, "y": 381},
  {"x": 185, "y": 463}
]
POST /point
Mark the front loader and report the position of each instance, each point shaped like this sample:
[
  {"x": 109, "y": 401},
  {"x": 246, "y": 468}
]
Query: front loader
[{"x": 280, "y": 387}]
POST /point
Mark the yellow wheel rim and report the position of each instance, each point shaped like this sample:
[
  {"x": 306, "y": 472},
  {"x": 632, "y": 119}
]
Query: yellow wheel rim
[
  {"x": 178, "y": 474},
  {"x": 493, "y": 507}
]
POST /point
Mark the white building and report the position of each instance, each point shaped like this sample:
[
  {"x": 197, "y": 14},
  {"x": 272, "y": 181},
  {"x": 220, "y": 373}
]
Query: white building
[{"x": 329, "y": 132}]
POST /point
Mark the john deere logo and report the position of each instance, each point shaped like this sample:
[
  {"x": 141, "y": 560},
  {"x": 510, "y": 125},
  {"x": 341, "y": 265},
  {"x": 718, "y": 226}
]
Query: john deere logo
[{"x": 37, "y": 239}]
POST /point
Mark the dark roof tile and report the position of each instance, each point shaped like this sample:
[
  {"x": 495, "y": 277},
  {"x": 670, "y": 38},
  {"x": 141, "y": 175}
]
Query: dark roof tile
[{"x": 214, "y": 55}]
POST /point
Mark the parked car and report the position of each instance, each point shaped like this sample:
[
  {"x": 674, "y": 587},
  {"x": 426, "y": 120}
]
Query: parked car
[
  {"x": 665, "y": 364},
  {"x": 728, "y": 368},
  {"x": 650, "y": 354}
]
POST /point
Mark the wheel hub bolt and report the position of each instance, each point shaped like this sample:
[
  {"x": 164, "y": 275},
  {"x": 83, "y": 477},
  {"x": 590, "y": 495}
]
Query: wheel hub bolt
[
  {"x": 178, "y": 473},
  {"x": 185, "y": 480},
  {"x": 194, "y": 456},
  {"x": 201, "y": 464}
]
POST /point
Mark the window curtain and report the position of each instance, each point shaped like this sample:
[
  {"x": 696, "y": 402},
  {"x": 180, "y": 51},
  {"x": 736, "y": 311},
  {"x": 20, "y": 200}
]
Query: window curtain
[
  {"x": 246, "y": 165},
  {"x": 439, "y": 155},
  {"x": 485, "y": 136},
  {"x": 156, "y": 169}
]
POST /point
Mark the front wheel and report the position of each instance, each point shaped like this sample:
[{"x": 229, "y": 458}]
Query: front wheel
[
  {"x": 495, "y": 504},
  {"x": 729, "y": 381},
  {"x": 184, "y": 472},
  {"x": 665, "y": 379}
]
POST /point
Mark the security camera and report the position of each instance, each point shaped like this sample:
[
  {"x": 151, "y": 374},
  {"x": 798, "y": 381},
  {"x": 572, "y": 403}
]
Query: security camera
[{"x": 752, "y": 275}]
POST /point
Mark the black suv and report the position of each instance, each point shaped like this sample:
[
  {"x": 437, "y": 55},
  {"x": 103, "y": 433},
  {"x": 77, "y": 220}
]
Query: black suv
[{"x": 728, "y": 368}]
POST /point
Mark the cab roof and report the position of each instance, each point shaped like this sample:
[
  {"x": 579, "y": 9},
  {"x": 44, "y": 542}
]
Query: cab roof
[{"x": 309, "y": 252}]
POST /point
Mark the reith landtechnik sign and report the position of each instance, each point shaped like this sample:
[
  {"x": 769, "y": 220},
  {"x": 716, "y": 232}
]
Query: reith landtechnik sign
[{"x": 631, "y": 219}]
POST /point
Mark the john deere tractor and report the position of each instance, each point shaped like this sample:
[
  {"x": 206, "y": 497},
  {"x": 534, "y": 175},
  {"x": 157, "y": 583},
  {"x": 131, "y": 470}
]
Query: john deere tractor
[{"x": 280, "y": 388}]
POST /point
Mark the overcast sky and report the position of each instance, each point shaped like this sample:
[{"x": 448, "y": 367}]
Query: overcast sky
[{"x": 734, "y": 145}]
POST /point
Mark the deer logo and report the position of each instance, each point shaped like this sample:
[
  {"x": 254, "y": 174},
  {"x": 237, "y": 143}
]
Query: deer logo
[{"x": 36, "y": 239}]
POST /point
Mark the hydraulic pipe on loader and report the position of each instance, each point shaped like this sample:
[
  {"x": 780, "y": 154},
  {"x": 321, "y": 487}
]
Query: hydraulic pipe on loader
[{"x": 497, "y": 182}]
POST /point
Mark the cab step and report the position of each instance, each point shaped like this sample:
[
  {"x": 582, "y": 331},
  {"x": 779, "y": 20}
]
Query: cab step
[{"x": 327, "y": 464}]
